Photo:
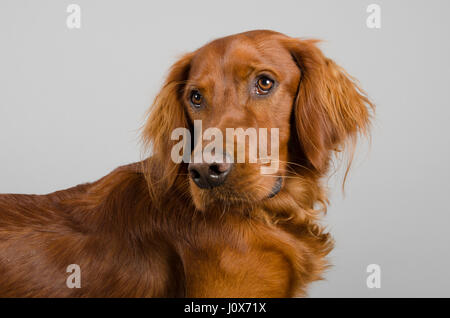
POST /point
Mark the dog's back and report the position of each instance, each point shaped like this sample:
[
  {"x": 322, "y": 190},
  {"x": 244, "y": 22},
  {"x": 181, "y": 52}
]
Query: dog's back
[{"x": 87, "y": 225}]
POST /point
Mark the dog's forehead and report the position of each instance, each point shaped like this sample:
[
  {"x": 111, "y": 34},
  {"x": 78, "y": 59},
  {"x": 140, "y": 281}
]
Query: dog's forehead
[{"x": 240, "y": 53}]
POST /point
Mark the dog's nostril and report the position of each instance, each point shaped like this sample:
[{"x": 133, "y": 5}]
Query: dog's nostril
[
  {"x": 194, "y": 174},
  {"x": 214, "y": 170},
  {"x": 218, "y": 169}
]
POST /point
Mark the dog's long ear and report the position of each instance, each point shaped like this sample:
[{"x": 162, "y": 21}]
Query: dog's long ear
[
  {"x": 330, "y": 109},
  {"x": 166, "y": 114}
]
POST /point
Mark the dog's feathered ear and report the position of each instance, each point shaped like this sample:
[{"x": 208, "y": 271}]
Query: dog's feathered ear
[
  {"x": 330, "y": 108},
  {"x": 166, "y": 114}
]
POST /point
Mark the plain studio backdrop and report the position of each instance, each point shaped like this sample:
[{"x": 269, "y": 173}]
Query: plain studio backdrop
[{"x": 72, "y": 102}]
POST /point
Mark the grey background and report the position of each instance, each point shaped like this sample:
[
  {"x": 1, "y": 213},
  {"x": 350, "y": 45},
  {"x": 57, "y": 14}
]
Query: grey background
[{"x": 72, "y": 101}]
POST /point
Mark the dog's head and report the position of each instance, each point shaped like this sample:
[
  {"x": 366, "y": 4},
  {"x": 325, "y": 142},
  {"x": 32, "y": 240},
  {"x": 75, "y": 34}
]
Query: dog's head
[{"x": 277, "y": 93}]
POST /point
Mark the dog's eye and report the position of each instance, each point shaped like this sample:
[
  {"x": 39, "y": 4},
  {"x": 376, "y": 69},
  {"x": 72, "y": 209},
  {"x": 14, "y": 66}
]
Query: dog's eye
[
  {"x": 196, "y": 98},
  {"x": 264, "y": 85}
]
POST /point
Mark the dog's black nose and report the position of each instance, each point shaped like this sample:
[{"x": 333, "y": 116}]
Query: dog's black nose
[{"x": 209, "y": 175}]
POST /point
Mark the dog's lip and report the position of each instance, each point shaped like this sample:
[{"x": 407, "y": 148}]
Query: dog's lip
[
  {"x": 225, "y": 197},
  {"x": 276, "y": 188}
]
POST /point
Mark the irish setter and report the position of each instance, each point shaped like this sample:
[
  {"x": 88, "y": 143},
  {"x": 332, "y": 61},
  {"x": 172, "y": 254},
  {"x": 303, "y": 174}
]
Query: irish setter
[{"x": 158, "y": 228}]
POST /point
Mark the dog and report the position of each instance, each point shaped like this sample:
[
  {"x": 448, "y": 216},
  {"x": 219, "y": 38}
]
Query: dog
[{"x": 159, "y": 228}]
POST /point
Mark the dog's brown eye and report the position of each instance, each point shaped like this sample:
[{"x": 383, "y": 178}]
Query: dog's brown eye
[
  {"x": 196, "y": 98},
  {"x": 263, "y": 85}
]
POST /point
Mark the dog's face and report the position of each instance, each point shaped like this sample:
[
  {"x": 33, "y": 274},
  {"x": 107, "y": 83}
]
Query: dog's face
[
  {"x": 240, "y": 82},
  {"x": 260, "y": 80}
]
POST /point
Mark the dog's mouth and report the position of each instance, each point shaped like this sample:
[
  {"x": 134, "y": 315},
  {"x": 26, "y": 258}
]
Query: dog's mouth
[
  {"x": 276, "y": 188},
  {"x": 228, "y": 196}
]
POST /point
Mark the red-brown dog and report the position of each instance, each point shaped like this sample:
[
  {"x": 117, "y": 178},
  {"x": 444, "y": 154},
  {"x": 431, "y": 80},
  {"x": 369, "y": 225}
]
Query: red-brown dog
[{"x": 164, "y": 229}]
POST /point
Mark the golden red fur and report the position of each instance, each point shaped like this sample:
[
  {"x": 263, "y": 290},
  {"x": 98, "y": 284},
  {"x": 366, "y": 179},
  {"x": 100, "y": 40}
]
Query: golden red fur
[{"x": 146, "y": 230}]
